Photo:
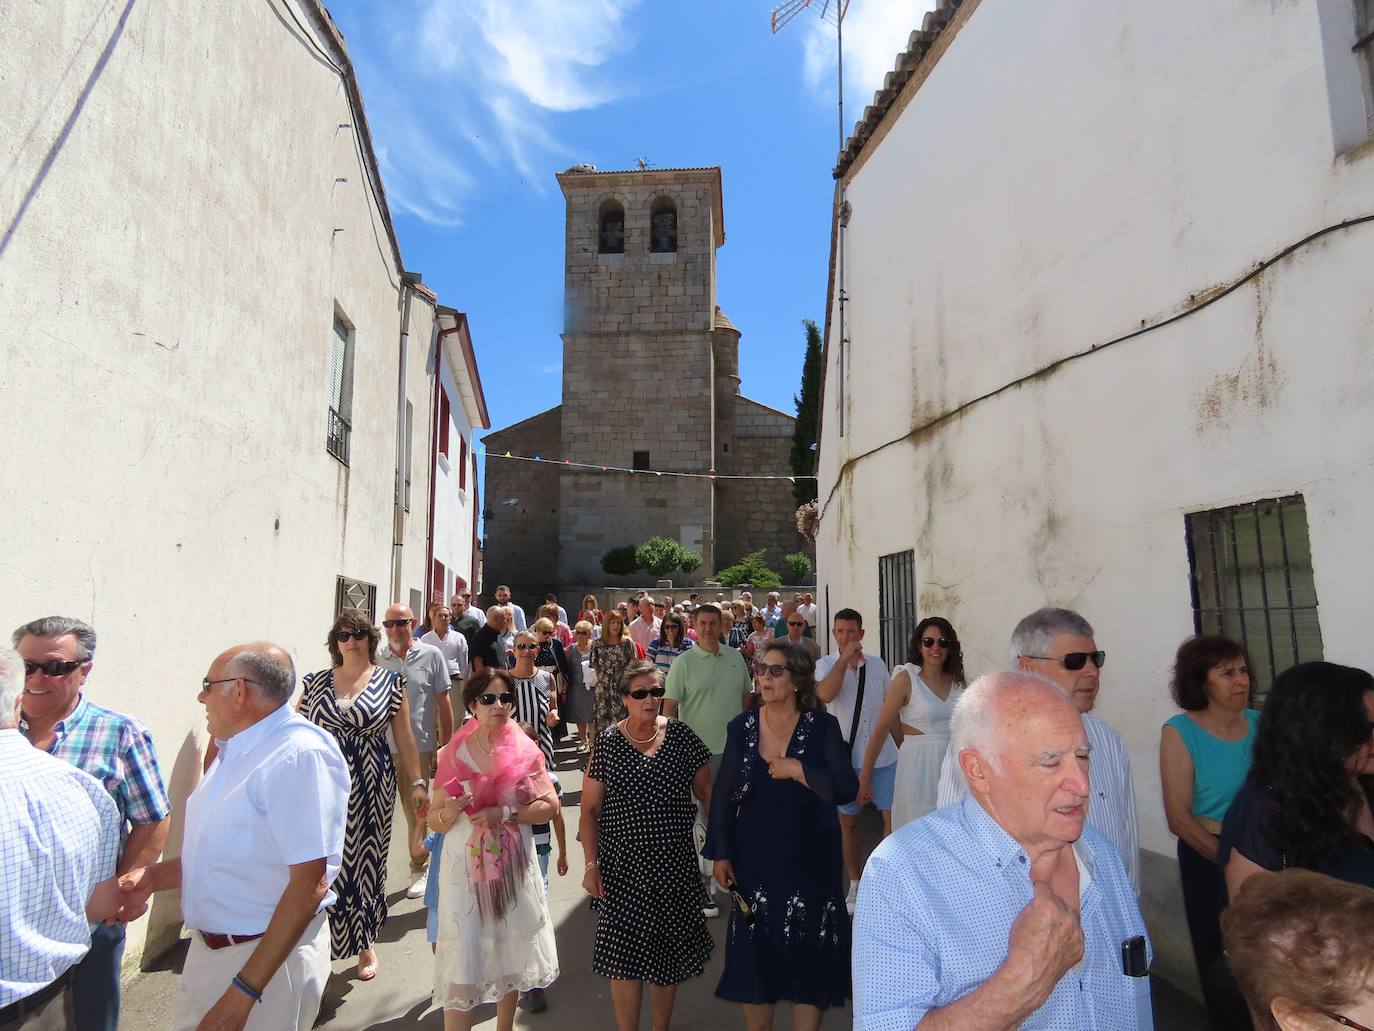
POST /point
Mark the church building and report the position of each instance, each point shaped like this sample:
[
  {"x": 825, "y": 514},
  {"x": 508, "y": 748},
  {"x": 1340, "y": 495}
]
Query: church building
[{"x": 651, "y": 383}]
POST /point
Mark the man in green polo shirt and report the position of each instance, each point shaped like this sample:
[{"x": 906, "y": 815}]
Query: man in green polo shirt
[{"x": 707, "y": 687}]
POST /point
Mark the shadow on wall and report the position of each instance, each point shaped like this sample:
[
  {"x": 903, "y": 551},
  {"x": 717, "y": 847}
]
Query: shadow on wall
[
  {"x": 164, "y": 918},
  {"x": 50, "y": 158}
]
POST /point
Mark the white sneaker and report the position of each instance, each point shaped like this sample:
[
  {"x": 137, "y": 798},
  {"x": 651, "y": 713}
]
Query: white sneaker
[
  {"x": 852, "y": 898},
  {"x": 710, "y": 909},
  {"x": 417, "y": 890}
]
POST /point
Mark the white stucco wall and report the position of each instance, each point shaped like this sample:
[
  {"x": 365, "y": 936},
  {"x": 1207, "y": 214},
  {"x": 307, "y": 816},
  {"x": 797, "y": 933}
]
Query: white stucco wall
[
  {"x": 1068, "y": 173},
  {"x": 181, "y": 217},
  {"x": 454, "y": 507}
]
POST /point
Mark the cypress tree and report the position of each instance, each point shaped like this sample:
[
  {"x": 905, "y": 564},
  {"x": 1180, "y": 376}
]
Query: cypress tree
[{"x": 803, "y": 459}]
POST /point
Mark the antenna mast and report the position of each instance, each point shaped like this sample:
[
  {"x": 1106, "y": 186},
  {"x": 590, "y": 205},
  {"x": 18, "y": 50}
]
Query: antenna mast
[{"x": 832, "y": 11}]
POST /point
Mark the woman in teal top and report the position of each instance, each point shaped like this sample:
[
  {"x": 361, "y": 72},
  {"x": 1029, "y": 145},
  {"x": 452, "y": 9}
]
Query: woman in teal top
[{"x": 1204, "y": 755}]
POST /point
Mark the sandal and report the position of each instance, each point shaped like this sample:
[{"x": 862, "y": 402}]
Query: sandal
[{"x": 367, "y": 970}]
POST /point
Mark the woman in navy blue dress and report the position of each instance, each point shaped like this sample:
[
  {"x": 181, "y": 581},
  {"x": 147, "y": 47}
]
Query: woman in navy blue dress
[{"x": 775, "y": 838}]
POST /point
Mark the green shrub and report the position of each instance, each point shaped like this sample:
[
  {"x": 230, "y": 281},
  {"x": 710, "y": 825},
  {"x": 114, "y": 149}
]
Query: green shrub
[
  {"x": 620, "y": 561},
  {"x": 691, "y": 561},
  {"x": 662, "y": 555},
  {"x": 798, "y": 567},
  {"x": 749, "y": 570}
]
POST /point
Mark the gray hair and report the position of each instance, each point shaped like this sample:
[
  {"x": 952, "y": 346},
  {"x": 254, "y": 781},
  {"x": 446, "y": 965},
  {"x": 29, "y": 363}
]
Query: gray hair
[
  {"x": 61, "y": 626},
  {"x": 975, "y": 721},
  {"x": 1036, "y": 633},
  {"x": 11, "y": 685},
  {"x": 270, "y": 668}
]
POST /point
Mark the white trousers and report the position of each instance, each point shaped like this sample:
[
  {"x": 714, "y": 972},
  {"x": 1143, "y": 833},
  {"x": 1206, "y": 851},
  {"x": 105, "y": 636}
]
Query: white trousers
[{"x": 291, "y": 999}]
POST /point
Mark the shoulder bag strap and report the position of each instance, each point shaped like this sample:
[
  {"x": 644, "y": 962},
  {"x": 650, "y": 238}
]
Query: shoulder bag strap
[{"x": 858, "y": 709}]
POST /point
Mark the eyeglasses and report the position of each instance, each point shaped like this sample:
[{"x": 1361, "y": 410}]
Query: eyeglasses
[
  {"x": 1346, "y": 1021},
  {"x": 505, "y": 698},
  {"x": 1075, "y": 660},
  {"x": 526, "y": 647},
  {"x": 55, "y": 668},
  {"x": 776, "y": 670},
  {"x": 206, "y": 684},
  {"x": 641, "y": 693},
  {"x": 344, "y": 635},
  {"x": 931, "y": 642},
  {"x": 391, "y": 624}
]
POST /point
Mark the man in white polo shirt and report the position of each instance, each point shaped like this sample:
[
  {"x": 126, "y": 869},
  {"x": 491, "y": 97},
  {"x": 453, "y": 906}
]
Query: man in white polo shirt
[
  {"x": 263, "y": 842},
  {"x": 840, "y": 680}
]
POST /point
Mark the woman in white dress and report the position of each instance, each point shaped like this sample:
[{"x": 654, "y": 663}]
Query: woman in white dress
[
  {"x": 919, "y": 703},
  {"x": 495, "y": 935}
]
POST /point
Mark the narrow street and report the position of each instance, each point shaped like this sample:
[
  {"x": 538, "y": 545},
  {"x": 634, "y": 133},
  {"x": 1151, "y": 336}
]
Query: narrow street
[{"x": 578, "y": 1001}]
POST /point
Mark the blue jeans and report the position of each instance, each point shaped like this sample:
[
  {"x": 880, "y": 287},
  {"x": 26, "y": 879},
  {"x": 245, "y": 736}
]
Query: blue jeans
[{"x": 95, "y": 980}]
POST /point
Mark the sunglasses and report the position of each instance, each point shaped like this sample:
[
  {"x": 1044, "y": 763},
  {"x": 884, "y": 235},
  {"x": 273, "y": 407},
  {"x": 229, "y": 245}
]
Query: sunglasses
[
  {"x": 504, "y": 698},
  {"x": 344, "y": 635},
  {"x": 641, "y": 693},
  {"x": 526, "y": 647},
  {"x": 776, "y": 670},
  {"x": 1344, "y": 1021},
  {"x": 55, "y": 668},
  {"x": 1075, "y": 660},
  {"x": 391, "y": 624},
  {"x": 931, "y": 642},
  {"x": 791, "y": 623}
]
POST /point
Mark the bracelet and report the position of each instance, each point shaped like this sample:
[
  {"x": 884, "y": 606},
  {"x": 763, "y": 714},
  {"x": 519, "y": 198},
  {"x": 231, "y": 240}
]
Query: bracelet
[
  {"x": 247, "y": 989},
  {"x": 592, "y": 864},
  {"x": 422, "y": 783},
  {"x": 509, "y": 813}
]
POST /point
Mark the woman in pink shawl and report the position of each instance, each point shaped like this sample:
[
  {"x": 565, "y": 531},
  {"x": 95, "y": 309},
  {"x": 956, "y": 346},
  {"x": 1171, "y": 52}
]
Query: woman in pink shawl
[{"x": 495, "y": 935}]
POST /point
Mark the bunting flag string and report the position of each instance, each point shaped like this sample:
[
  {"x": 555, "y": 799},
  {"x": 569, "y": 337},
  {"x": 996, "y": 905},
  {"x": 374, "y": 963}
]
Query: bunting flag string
[{"x": 595, "y": 467}]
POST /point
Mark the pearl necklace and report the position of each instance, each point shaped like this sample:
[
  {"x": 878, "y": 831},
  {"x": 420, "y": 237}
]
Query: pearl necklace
[{"x": 625, "y": 729}]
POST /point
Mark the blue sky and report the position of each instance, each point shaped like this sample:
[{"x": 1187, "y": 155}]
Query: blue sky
[{"x": 475, "y": 104}]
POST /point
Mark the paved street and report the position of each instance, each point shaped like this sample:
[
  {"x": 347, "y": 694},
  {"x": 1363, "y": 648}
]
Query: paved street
[{"x": 578, "y": 1001}]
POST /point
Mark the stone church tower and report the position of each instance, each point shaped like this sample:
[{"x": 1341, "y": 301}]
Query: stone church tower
[{"x": 650, "y": 381}]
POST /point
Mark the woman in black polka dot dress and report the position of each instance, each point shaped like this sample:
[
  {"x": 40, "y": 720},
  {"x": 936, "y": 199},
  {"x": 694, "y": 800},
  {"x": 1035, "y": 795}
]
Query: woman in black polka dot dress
[{"x": 637, "y": 815}]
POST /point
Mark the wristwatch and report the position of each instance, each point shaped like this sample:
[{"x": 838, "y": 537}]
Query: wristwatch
[{"x": 508, "y": 814}]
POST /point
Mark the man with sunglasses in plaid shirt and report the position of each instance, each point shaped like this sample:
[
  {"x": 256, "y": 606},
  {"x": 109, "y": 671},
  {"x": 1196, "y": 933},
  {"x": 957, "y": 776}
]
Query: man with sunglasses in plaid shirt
[{"x": 116, "y": 750}]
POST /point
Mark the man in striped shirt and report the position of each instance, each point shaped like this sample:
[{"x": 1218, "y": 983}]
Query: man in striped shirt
[{"x": 1058, "y": 645}]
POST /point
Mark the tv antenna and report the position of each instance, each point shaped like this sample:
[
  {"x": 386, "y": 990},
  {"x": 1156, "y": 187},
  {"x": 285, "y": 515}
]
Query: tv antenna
[
  {"x": 832, "y": 11},
  {"x": 643, "y": 163}
]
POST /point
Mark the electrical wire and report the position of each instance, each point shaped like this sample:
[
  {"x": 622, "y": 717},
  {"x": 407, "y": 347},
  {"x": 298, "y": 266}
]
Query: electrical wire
[
  {"x": 568, "y": 464},
  {"x": 944, "y": 417}
]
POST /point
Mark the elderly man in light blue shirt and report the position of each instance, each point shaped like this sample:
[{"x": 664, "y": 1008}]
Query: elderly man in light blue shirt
[{"x": 1005, "y": 910}]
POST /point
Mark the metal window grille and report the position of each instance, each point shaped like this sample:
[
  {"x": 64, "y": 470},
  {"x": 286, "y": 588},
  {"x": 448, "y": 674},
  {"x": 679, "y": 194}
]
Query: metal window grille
[
  {"x": 896, "y": 604},
  {"x": 355, "y": 594},
  {"x": 1252, "y": 581},
  {"x": 337, "y": 438},
  {"x": 410, "y": 458}
]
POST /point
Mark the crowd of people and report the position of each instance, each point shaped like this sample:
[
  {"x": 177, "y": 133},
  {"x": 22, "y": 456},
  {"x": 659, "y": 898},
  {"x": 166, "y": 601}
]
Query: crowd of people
[{"x": 726, "y": 761}]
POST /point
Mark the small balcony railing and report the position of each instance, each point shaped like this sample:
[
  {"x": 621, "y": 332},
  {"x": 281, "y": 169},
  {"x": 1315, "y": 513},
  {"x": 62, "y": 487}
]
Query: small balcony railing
[{"x": 339, "y": 431}]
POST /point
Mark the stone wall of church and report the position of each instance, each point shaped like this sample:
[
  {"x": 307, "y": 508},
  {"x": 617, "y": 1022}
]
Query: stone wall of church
[
  {"x": 758, "y": 514},
  {"x": 521, "y": 539}
]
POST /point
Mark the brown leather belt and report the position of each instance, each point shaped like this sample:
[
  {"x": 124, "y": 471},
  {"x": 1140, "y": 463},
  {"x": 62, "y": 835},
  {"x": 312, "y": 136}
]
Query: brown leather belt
[{"x": 223, "y": 941}]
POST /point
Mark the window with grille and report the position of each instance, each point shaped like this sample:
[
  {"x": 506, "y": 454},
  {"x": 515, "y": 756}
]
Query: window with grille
[
  {"x": 355, "y": 594},
  {"x": 896, "y": 604},
  {"x": 340, "y": 390},
  {"x": 1252, "y": 581}
]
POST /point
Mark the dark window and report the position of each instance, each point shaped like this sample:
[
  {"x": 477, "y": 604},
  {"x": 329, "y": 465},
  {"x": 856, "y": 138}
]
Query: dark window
[
  {"x": 896, "y": 604},
  {"x": 1252, "y": 581},
  {"x": 436, "y": 587},
  {"x": 612, "y": 234},
  {"x": 641, "y": 460},
  {"x": 462, "y": 463},
  {"x": 339, "y": 427},
  {"x": 355, "y": 594},
  {"x": 663, "y": 226},
  {"x": 443, "y": 422}
]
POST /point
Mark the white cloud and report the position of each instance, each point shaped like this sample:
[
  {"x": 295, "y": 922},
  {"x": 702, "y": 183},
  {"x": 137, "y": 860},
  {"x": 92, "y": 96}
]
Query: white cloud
[
  {"x": 464, "y": 83},
  {"x": 875, "y": 32}
]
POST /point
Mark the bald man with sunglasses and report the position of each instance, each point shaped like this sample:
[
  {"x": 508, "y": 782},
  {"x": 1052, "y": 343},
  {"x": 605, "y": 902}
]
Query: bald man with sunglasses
[{"x": 1059, "y": 645}]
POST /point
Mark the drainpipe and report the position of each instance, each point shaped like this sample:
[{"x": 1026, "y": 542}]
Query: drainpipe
[{"x": 398, "y": 522}]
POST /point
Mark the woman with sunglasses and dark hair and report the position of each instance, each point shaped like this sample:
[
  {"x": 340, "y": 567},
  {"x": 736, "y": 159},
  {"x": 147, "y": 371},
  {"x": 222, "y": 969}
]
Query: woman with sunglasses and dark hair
[
  {"x": 670, "y": 643},
  {"x": 775, "y": 838},
  {"x": 1204, "y": 753},
  {"x": 536, "y": 698},
  {"x": 495, "y": 938},
  {"x": 636, "y": 830},
  {"x": 1307, "y": 799},
  {"x": 358, "y": 701},
  {"x": 916, "y": 712}
]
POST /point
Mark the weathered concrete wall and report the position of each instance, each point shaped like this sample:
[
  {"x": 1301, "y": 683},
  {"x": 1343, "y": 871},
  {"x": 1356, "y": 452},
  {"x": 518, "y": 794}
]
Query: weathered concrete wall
[
  {"x": 522, "y": 504},
  {"x": 185, "y": 212},
  {"x": 1058, "y": 217}
]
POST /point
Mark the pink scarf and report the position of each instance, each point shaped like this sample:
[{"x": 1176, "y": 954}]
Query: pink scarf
[{"x": 495, "y": 858}]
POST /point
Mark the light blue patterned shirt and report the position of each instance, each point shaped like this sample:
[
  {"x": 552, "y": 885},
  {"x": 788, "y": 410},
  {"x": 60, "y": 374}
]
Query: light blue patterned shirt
[
  {"x": 60, "y": 839},
  {"x": 936, "y": 905}
]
